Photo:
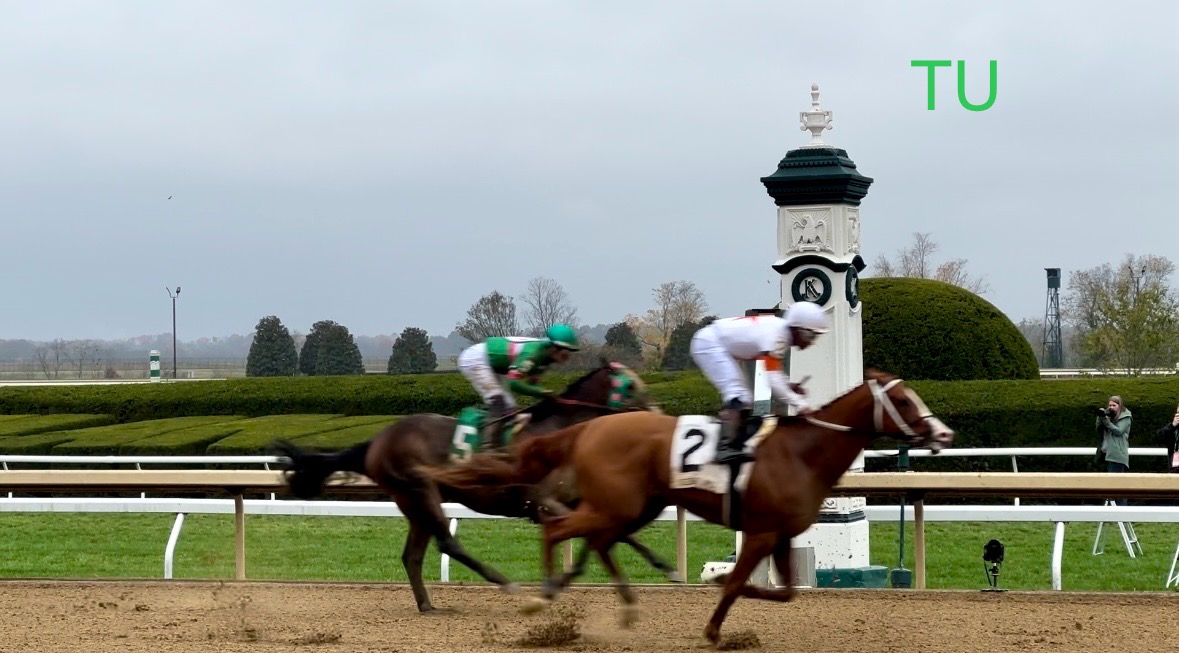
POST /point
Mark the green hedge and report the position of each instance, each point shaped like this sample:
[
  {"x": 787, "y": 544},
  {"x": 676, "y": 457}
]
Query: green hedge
[
  {"x": 927, "y": 329},
  {"x": 33, "y": 424},
  {"x": 337, "y": 412},
  {"x": 213, "y": 435}
]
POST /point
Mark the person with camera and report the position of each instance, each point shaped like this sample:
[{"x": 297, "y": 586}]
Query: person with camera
[
  {"x": 1113, "y": 424},
  {"x": 1169, "y": 435}
]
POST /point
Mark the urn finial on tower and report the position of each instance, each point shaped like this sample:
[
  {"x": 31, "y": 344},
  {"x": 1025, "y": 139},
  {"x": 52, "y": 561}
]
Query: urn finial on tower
[{"x": 815, "y": 120}]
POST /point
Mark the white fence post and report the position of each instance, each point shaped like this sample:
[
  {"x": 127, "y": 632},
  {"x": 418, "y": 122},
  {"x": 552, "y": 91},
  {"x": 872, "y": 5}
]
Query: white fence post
[{"x": 170, "y": 550}]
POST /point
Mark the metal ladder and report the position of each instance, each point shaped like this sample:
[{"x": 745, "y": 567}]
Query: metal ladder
[{"x": 1129, "y": 537}]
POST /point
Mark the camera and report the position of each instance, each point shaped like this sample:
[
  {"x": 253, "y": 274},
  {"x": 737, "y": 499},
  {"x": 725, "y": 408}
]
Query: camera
[{"x": 1106, "y": 411}]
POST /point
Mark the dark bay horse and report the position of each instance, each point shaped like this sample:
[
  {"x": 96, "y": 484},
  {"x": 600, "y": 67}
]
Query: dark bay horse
[
  {"x": 623, "y": 471},
  {"x": 392, "y": 457}
]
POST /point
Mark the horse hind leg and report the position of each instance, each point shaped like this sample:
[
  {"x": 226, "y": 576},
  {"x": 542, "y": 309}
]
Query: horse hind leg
[
  {"x": 757, "y": 547},
  {"x": 412, "y": 557},
  {"x": 449, "y": 545}
]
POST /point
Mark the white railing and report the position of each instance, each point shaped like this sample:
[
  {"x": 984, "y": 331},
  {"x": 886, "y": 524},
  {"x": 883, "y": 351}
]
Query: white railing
[
  {"x": 454, "y": 512},
  {"x": 1013, "y": 452},
  {"x": 181, "y": 507},
  {"x": 1059, "y": 515},
  {"x": 1069, "y": 372}
]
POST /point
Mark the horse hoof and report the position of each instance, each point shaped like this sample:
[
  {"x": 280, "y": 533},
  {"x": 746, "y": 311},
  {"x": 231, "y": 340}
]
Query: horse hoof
[
  {"x": 425, "y": 607},
  {"x": 535, "y": 604},
  {"x": 675, "y": 577},
  {"x": 712, "y": 633},
  {"x": 628, "y": 615},
  {"x": 510, "y": 588}
]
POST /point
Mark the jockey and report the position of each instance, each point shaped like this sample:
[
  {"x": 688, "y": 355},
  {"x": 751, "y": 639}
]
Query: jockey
[
  {"x": 717, "y": 347},
  {"x": 522, "y": 361}
]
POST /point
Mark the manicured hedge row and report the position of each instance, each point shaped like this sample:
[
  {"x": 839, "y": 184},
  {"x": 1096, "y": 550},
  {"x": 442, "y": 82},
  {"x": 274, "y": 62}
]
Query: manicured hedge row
[
  {"x": 984, "y": 413},
  {"x": 344, "y": 395},
  {"x": 212, "y": 435}
]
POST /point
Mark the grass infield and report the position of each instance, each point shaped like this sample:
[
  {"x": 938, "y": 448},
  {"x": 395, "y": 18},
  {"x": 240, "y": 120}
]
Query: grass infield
[{"x": 369, "y": 549}]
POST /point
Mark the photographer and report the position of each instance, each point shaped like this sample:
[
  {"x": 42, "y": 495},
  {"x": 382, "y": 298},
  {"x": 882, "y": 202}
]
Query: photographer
[
  {"x": 1169, "y": 436},
  {"x": 1113, "y": 424}
]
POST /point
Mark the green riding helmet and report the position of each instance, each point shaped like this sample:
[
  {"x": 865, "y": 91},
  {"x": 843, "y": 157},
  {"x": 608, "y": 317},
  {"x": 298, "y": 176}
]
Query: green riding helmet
[{"x": 563, "y": 336}]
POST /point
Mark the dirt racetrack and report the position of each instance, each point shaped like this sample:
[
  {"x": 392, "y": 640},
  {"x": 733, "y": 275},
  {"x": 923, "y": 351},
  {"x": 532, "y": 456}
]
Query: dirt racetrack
[{"x": 159, "y": 617}]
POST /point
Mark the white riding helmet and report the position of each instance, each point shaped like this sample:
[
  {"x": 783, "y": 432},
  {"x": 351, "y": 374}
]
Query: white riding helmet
[{"x": 808, "y": 315}]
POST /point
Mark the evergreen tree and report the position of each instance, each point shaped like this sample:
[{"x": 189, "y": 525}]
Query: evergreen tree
[
  {"x": 309, "y": 355},
  {"x": 622, "y": 337},
  {"x": 677, "y": 355},
  {"x": 273, "y": 351},
  {"x": 413, "y": 353},
  {"x": 336, "y": 352}
]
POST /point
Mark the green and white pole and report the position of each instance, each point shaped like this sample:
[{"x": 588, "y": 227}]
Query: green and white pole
[{"x": 155, "y": 366}]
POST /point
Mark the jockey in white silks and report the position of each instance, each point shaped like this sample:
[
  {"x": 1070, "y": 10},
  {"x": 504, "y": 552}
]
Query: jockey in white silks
[{"x": 718, "y": 347}]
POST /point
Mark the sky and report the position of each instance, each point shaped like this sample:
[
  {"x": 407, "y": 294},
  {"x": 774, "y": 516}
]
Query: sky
[{"x": 384, "y": 164}]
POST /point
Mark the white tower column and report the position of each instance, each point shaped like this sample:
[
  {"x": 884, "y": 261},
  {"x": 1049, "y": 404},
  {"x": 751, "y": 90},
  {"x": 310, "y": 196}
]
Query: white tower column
[{"x": 817, "y": 190}]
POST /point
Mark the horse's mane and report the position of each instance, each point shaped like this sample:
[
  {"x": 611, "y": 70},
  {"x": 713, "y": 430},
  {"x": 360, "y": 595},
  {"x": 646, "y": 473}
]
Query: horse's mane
[
  {"x": 547, "y": 407},
  {"x": 870, "y": 374},
  {"x": 573, "y": 387}
]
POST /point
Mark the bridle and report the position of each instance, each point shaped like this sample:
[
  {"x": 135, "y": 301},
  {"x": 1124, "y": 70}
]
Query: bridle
[{"x": 883, "y": 404}]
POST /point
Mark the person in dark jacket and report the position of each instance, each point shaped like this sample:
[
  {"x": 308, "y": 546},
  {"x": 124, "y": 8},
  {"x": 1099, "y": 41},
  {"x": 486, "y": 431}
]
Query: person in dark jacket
[{"x": 1169, "y": 435}]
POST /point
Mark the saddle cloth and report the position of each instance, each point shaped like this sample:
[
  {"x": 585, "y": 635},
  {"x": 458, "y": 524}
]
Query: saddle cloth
[{"x": 693, "y": 448}]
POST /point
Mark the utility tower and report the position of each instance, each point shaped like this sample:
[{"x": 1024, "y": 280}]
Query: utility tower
[{"x": 1053, "y": 351}]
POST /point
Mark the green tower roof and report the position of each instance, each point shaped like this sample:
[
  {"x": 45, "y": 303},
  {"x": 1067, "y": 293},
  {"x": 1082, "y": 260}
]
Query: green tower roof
[{"x": 816, "y": 175}]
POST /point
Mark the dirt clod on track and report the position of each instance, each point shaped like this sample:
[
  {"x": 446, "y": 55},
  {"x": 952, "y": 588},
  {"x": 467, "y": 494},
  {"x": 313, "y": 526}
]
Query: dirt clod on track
[{"x": 162, "y": 617}]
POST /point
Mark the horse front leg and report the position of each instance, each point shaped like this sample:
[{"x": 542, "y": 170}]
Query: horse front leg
[
  {"x": 630, "y": 609},
  {"x": 655, "y": 561},
  {"x": 755, "y": 549},
  {"x": 555, "y": 505},
  {"x": 582, "y": 522},
  {"x": 782, "y": 554}
]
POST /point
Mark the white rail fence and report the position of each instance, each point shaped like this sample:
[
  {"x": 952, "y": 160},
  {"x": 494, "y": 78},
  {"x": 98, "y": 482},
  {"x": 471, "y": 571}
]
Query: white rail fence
[{"x": 1060, "y": 515}]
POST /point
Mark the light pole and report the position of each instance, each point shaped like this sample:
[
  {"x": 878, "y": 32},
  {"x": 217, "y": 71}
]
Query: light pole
[
  {"x": 1136, "y": 279},
  {"x": 173, "y": 326}
]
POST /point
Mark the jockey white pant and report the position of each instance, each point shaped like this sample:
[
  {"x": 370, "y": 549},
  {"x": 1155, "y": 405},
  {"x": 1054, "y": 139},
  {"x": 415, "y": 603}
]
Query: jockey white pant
[
  {"x": 719, "y": 367},
  {"x": 472, "y": 362}
]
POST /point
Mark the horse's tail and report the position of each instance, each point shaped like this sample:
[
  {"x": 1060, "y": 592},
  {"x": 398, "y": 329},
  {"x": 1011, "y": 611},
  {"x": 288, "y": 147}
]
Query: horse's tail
[
  {"x": 308, "y": 472},
  {"x": 536, "y": 458}
]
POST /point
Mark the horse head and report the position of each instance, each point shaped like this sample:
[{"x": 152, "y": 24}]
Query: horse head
[
  {"x": 898, "y": 412},
  {"x": 611, "y": 385}
]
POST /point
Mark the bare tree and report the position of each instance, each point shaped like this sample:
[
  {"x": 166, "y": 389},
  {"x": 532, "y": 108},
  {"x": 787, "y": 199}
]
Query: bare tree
[
  {"x": 546, "y": 303},
  {"x": 1033, "y": 331},
  {"x": 954, "y": 272},
  {"x": 493, "y": 315},
  {"x": 82, "y": 352},
  {"x": 41, "y": 353},
  {"x": 916, "y": 261},
  {"x": 676, "y": 303},
  {"x": 58, "y": 354},
  {"x": 1125, "y": 318}
]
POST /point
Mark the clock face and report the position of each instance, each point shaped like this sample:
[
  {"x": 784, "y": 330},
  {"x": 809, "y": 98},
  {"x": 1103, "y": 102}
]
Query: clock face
[
  {"x": 852, "y": 289},
  {"x": 811, "y": 285}
]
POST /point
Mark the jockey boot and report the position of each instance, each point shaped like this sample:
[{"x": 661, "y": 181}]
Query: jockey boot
[
  {"x": 494, "y": 424},
  {"x": 729, "y": 448}
]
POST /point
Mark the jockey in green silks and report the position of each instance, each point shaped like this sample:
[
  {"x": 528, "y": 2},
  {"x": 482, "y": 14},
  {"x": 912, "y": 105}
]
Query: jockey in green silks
[{"x": 522, "y": 361}]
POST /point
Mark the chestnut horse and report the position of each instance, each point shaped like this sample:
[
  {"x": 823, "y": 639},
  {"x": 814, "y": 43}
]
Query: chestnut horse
[
  {"x": 622, "y": 464},
  {"x": 391, "y": 457}
]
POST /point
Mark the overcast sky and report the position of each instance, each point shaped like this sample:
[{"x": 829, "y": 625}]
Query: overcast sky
[{"x": 384, "y": 164}]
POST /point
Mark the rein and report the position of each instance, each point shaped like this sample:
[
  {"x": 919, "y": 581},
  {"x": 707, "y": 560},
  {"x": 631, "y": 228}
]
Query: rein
[
  {"x": 590, "y": 404},
  {"x": 883, "y": 403}
]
